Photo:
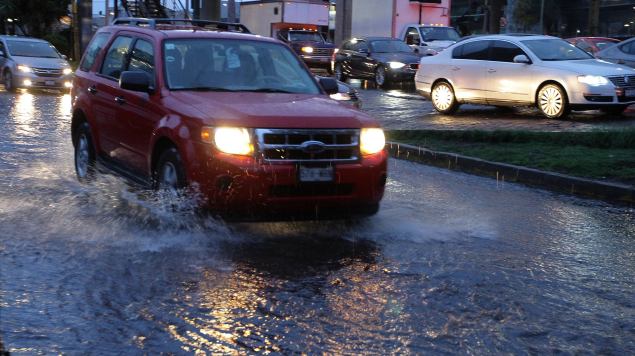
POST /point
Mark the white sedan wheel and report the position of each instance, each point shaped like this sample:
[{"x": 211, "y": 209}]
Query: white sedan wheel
[
  {"x": 551, "y": 101},
  {"x": 442, "y": 97}
]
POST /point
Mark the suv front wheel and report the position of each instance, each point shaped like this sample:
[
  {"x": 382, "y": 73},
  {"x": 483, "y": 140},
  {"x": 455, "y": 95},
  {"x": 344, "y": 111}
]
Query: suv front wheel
[
  {"x": 7, "y": 79},
  {"x": 169, "y": 174}
]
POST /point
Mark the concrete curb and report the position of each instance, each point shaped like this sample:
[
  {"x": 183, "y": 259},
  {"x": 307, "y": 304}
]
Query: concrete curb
[{"x": 589, "y": 188}]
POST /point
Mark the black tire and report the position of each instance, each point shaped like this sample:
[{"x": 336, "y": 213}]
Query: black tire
[
  {"x": 9, "y": 82},
  {"x": 169, "y": 173},
  {"x": 552, "y": 101},
  {"x": 614, "y": 110},
  {"x": 443, "y": 98},
  {"x": 339, "y": 73},
  {"x": 381, "y": 77},
  {"x": 84, "y": 152}
]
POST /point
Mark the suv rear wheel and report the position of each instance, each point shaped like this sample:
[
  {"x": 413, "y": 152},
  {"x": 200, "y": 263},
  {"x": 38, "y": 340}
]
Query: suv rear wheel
[
  {"x": 84, "y": 154},
  {"x": 443, "y": 98}
]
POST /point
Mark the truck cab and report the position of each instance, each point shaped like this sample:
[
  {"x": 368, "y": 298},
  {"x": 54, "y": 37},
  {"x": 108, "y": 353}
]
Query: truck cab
[
  {"x": 429, "y": 39},
  {"x": 310, "y": 45}
]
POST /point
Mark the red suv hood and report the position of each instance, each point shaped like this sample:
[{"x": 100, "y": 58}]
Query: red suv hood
[{"x": 273, "y": 110}]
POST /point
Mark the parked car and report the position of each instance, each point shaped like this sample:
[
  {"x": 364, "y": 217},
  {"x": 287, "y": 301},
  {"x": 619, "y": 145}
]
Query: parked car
[
  {"x": 236, "y": 117},
  {"x": 314, "y": 50},
  {"x": 511, "y": 70},
  {"x": 428, "y": 39},
  {"x": 383, "y": 59},
  {"x": 592, "y": 45},
  {"x": 622, "y": 53},
  {"x": 27, "y": 62}
]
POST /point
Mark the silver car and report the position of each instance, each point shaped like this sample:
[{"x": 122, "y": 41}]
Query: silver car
[
  {"x": 32, "y": 63},
  {"x": 513, "y": 70},
  {"x": 621, "y": 53}
]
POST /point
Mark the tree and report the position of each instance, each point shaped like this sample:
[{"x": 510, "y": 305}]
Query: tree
[
  {"x": 36, "y": 16},
  {"x": 526, "y": 13}
]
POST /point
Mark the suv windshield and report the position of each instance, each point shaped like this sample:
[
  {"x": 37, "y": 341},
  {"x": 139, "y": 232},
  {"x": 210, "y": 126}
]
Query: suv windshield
[
  {"x": 31, "y": 49},
  {"x": 389, "y": 46},
  {"x": 305, "y": 36},
  {"x": 439, "y": 34},
  {"x": 234, "y": 65},
  {"x": 554, "y": 49}
]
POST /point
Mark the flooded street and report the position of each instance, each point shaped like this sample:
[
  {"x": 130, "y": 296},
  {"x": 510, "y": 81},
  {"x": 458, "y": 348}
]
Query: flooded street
[{"x": 452, "y": 263}]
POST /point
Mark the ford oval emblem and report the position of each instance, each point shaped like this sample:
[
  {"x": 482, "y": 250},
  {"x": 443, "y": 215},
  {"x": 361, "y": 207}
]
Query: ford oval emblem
[
  {"x": 626, "y": 79},
  {"x": 313, "y": 147}
]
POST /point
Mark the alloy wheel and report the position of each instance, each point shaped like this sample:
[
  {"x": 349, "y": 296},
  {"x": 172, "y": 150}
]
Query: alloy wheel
[
  {"x": 380, "y": 76},
  {"x": 551, "y": 101},
  {"x": 442, "y": 97},
  {"x": 169, "y": 180}
]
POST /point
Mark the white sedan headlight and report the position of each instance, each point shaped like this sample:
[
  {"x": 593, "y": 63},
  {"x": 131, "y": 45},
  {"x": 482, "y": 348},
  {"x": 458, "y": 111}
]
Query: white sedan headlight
[
  {"x": 593, "y": 80},
  {"x": 23, "y": 68},
  {"x": 372, "y": 140},
  {"x": 232, "y": 140},
  {"x": 67, "y": 71},
  {"x": 396, "y": 65}
]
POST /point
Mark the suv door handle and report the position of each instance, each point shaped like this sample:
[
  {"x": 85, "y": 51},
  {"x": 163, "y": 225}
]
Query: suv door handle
[
  {"x": 92, "y": 90},
  {"x": 120, "y": 100}
]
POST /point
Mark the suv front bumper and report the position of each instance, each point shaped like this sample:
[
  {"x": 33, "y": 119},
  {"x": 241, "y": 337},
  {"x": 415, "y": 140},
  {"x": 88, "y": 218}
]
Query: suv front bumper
[{"x": 242, "y": 188}]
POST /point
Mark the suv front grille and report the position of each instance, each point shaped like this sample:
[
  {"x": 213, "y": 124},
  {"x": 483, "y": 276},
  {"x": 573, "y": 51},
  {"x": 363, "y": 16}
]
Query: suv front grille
[
  {"x": 306, "y": 145},
  {"x": 322, "y": 52},
  {"x": 47, "y": 72},
  {"x": 623, "y": 81}
]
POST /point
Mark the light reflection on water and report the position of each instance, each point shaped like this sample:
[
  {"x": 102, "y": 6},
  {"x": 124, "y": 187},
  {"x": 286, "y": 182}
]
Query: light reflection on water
[{"x": 452, "y": 263}]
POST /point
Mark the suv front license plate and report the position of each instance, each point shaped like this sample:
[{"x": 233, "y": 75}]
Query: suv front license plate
[
  {"x": 629, "y": 92},
  {"x": 316, "y": 174},
  {"x": 49, "y": 83}
]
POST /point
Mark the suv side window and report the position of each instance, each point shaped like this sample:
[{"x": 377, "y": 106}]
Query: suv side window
[
  {"x": 412, "y": 36},
  {"x": 115, "y": 60},
  {"x": 93, "y": 49},
  {"x": 142, "y": 58},
  {"x": 503, "y": 51},
  {"x": 477, "y": 50}
]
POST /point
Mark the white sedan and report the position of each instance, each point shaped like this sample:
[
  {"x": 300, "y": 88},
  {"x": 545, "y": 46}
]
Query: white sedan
[{"x": 519, "y": 70}]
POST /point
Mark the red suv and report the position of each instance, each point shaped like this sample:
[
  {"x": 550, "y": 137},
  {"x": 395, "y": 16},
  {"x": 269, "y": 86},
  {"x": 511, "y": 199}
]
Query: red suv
[{"x": 236, "y": 117}]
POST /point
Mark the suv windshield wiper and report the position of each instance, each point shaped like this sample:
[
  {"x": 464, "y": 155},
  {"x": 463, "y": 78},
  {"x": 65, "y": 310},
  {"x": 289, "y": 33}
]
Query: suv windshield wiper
[{"x": 204, "y": 88}]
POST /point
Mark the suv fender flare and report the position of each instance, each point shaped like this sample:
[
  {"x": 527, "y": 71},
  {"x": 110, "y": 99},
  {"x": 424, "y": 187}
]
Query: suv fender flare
[{"x": 172, "y": 132}]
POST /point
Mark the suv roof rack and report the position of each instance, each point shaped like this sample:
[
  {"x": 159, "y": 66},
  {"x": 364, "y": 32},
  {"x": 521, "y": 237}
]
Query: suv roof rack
[{"x": 177, "y": 24}]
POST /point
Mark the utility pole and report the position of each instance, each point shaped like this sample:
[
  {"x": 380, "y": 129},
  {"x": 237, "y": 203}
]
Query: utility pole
[
  {"x": 542, "y": 16},
  {"x": 231, "y": 10},
  {"x": 594, "y": 17},
  {"x": 106, "y": 14},
  {"x": 495, "y": 13}
]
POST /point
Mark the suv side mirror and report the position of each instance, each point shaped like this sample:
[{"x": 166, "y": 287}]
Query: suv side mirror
[
  {"x": 521, "y": 58},
  {"x": 64, "y": 57},
  {"x": 329, "y": 85},
  {"x": 135, "y": 81}
]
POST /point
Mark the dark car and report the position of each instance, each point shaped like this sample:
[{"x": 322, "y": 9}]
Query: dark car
[
  {"x": 235, "y": 118},
  {"x": 310, "y": 46},
  {"x": 592, "y": 45},
  {"x": 621, "y": 53},
  {"x": 383, "y": 59}
]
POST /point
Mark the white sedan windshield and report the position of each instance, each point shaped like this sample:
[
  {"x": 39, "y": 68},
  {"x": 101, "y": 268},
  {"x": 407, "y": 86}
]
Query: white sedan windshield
[{"x": 234, "y": 65}]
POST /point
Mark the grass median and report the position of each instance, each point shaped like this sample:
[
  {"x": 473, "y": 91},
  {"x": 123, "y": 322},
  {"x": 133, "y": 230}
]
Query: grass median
[{"x": 603, "y": 155}]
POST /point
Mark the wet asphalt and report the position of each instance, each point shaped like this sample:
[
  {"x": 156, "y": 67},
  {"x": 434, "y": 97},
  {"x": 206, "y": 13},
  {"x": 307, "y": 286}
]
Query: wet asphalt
[{"x": 452, "y": 263}]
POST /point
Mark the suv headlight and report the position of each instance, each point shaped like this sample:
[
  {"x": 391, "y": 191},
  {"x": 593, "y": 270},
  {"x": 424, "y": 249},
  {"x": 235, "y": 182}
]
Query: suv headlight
[
  {"x": 371, "y": 141},
  {"x": 593, "y": 80},
  {"x": 231, "y": 140},
  {"x": 67, "y": 71},
  {"x": 396, "y": 65},
  {"x": 23, "y": 68},
  {"x": 307, "y": 49}
]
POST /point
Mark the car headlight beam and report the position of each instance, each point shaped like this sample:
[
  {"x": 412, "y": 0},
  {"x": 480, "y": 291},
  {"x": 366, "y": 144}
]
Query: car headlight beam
[
  {"x": 231, "y": 140},
  {"x": 593, "y": 80},
  {"x": 396, "y": 65},
  {"x": 372, "y": 141}
]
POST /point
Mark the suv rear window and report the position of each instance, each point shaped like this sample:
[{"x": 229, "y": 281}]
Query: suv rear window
[{"x": 234, "y": 65}]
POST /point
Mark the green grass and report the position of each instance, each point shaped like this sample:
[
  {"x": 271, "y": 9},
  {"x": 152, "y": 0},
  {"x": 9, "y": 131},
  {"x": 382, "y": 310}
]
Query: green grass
[{"x": 604, "y": 155}]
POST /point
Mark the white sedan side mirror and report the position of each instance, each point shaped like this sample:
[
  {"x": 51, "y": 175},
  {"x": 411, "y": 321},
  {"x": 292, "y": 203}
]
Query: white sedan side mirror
[{"x": 521, "y": 58}]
